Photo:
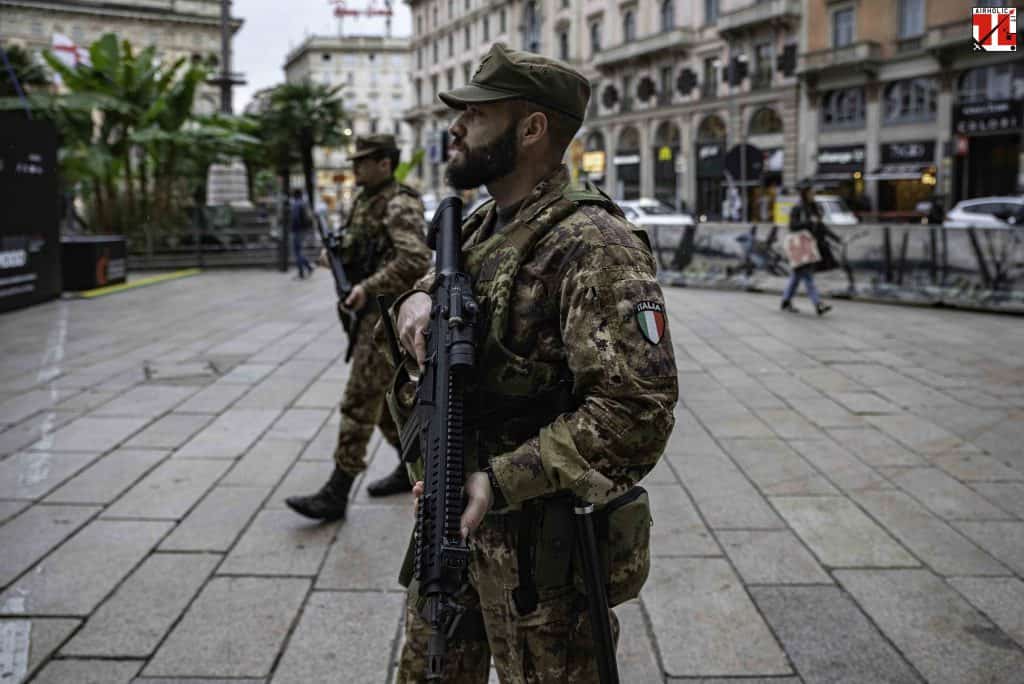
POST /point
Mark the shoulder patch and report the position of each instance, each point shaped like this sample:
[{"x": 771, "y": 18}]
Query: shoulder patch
[{"x": 650, "y": 316}]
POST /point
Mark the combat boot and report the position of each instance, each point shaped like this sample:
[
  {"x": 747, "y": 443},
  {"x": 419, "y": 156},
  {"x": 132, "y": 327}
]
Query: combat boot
[
  {"x": 395, "y": 483},
  {"x": 327, "y": 504}
]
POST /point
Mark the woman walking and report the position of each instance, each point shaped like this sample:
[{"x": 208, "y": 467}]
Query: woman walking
[{"x": 808, "y": 250}]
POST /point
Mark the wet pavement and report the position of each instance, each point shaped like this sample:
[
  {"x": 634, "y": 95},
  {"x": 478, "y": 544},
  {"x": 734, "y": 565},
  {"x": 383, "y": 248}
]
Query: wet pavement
[{"x": 842, "y": 499}]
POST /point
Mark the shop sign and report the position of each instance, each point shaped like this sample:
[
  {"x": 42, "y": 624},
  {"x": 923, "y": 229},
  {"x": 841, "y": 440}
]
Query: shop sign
[
  {"x": 841, "y": 159},
  {"x": 593, "y": 162},
  {"x": 919, "y": 152},
  {"x": 710, "y": 160},
  {"x": 665, "y": 153},
  {"x": 961, "y": 145},
  {"x": 988, "y": 117},
  {"x": 624, "y": 159}
]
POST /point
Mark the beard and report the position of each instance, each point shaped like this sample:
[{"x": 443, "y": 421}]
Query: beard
[{"x": 485, "y": 164}]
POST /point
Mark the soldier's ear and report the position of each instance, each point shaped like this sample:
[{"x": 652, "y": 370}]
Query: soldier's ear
[{"x": 534, "y": 128}]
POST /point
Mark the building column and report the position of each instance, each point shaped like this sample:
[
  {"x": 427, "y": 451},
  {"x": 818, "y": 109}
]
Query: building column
[
  {"x": 807, "y": 130},
  {"x": 944, "y": 143},
  {"x": 646, "y": 159},
  {"x": 685, "y": 185},
  {"x": 611, "y": 143},
  {"x": 872, "y": 126}
]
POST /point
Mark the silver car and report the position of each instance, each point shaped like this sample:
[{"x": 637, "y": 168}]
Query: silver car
[
  {"x": 664, "y": 225},
  {"x": 987, "y": 212}
]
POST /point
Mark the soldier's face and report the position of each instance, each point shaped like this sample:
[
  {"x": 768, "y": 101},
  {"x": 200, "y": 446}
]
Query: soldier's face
[
  {"x": 484, "y": 146},
  {"x": 369, "y": 171}
]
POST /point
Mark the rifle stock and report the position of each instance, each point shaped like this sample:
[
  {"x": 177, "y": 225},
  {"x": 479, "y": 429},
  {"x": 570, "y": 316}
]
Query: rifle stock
[{"x": 442, "y": 555}]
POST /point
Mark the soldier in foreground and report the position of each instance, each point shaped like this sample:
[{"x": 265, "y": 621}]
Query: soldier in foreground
[
  {"x": 575, "y": 381},
  {"x": 383, "y": 251}
]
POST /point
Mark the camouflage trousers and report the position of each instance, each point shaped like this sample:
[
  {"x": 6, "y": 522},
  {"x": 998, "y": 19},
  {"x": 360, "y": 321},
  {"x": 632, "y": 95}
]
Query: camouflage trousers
[
  {"x": 362, "y": 404},
  {"x": 551, "y": 644}
]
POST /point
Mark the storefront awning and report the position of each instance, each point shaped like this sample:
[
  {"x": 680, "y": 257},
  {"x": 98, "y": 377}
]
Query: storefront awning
[
  {"x": 895, "y": 172},
  {"x": 828, "y": 177}
]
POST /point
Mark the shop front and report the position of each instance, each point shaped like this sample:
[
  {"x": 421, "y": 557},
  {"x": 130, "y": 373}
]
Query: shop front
[
  {"x": 627, "y": 165},
  {"x": 841, "y": 172},
  {"x": 906, "y": 178},
  {"x": 987, "y": 141},
  {"x": 594, "y": 159},
  {"x": 710, "y": 168},
  {"x": 665, "y": 156}
]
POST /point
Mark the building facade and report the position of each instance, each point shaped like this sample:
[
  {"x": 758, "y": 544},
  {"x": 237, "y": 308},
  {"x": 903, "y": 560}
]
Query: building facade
[
  {"x": 373, "y": 72},
  {"x": 177, "y": 28},
  {"x": 897, "y": 105}
]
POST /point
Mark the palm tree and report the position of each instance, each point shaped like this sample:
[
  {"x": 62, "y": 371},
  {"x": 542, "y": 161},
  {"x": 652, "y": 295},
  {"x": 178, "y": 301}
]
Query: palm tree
[{"x": 30, "y": 73}]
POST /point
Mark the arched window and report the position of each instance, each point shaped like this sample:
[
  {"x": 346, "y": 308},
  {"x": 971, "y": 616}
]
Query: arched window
[
  {"x": 531, "y": 27},
  {"x": 629, "y": 141},
  {"x": 914, "y": 99},
  {"x": 668, "y": 15},
  {"x": 995, "y": 82},
  {"x": 563, "y": 44},
  {"x": 595, "y": 142},
  {"x": 843, "y": 108},
  {"x": 667, "y": 134},
  {"x": 595, "y": 38},
  {"x": 711, "y": 129},
  {"x": 628, "y": 27},
  {"x": 765, "y": 121}
]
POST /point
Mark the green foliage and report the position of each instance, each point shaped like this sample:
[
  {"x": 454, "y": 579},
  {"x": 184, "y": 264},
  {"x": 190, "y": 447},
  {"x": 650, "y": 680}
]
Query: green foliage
[
  {"x": 407, "y": 166},
  {"x": 30, "y": 73}
]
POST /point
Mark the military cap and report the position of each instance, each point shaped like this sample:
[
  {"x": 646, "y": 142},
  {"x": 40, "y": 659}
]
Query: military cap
[
  {"x": 367, "y": 145},
  {"x": 506, "y": 74}
]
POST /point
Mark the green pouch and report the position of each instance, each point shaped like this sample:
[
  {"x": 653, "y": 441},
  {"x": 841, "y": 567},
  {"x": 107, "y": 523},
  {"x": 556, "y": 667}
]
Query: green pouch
[{"x": 623, "y": 530}]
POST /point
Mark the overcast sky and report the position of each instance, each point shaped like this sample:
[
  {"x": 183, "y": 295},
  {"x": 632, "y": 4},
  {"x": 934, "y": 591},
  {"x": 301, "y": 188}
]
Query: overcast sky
[{"x": 273, "y": 27}]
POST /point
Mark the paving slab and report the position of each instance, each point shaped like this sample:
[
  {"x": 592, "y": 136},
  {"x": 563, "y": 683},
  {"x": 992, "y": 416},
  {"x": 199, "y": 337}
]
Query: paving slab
[
  {"x": 9, "y": 509},
  {"x": 636, "y": 653},
  {"x": 216, "y": 521},
  {"x": 661, "y": 474},
  {"x": 148, "y": 401},
  {"x": 280, "y": 542},
  {"x": 932, "y": 540},
  {"x": 1004, "y": 540},
  {"x": 383, "y": 460},
  {"x": 321, "y": 394},
  {"x": 315, "y": 653},
  {"x": 863, "y": 403},
  {"x": 840, "y": 534},
  {"x": 39, "y": 429},
  {"x": 829, "y": 639},
  {"x": 169, "y": 491},
  {"x": 235, "y": 628},
  {"x": 1000, "y": 598},
  {"x": 1009, "y": 496},
  {"x": 86, "y": 400},
  {"x": 170, "y": 431},
  {"x": 728, "y": 419},
  {"x": 24, "y": 404},
  {"x": 789, "y": 424},
  {"x": 91, "y": 433},
  {"x": 945, "y": 496},
  {"x": 704, "y": 622},
  {"x": 369, "y": 550},
  {"x": 230, "y": 434},
  {"x": 213, "y": 398},
  {"x": 34, "y": 533},
  {"x": 771, "y": 557},
  {"x": 825, "y": 413},
  {"x": 298, "y": 424},
  {"x": 917, "y": 434},
  {"x": 839, "y": 465},
  {"x": 305, "y": 477},
  {"x": 322, "y": 446},
  {"x": 31, "y": 474},
  {"x": 25, "y": 643},
  {"x": 89, "y": 672},
  {"x": 971, "y": 465},
  {"x": 787, "y": 386},
  {"x": 775, "y": 468},
  {"x": 678, "y": 529},
  {"x": 77, "y": 576},
  {"x": 283, "y": 386},
  {"x": 874, "y": 447},
  {"x": 107, "y": 478},
  {"x": 938, "y": 631},
  {"x": 248, "y": 373},
  {"x": 264, "y": 464},
  {"x": 133, "y": 621}
]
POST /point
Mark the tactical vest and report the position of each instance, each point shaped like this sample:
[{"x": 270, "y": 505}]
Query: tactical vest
[{"x": 365, "y": 244}]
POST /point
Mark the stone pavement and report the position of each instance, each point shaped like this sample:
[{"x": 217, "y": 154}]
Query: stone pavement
[{"x": 842, "y": 499}]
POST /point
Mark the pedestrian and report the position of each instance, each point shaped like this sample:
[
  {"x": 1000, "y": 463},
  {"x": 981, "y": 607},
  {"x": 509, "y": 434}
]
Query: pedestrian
[
  {"x": 575, "y": 381},
  {"x": 383, "y": 251},
  {"x": 300, "y": 222},
  {"x": 805, "y": 216}
]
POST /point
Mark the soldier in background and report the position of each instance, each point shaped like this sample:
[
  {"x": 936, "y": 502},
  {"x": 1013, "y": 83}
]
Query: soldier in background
[
  {"x": 576, "y": 378},
  {"x": 383, "y": 252}
]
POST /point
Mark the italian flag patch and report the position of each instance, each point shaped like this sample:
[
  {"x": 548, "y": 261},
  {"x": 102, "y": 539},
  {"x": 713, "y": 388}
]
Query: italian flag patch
[{"x": 650, "y": 316}]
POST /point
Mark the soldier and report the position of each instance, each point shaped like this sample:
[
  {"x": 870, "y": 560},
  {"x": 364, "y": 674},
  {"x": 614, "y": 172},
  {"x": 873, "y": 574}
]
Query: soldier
[
  {"x": 576, "y": 378},
  {"x": 383, "y": 251}
]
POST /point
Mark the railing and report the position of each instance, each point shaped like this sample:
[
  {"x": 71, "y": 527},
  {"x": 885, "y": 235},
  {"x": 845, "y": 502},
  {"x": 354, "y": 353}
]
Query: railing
[
  {"x": 676, "y": 39},
  {"x": 946, "y": 35},
  {"x": 759, "y": 13},
  {"x": 761, "y": 80},
  {"x": 864, "y": 54},
  {"x": 664, "y": 99}
]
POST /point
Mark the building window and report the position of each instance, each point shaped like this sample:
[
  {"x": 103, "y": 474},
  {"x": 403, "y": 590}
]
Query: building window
[
  {"x": 595, "y": 37},
  {"x": 914, "y": 99},
  {"x": 665, "y": 85},
  {"x": 449, "y": 79},
  {"x": 502, "y": 24},
  {"x": 465, "y": 35},
  {"x": 531, "y": 27},
  {"x": 396, "y": 127},
  {"x": 487, "y": 28},
  {"x": 762, "y": 76},
  {"x": 995, "y": 82},
  {"x": 469, "y": 4},
  {"x": 843, "y": 108},
  {"x": 419, "y": 92},
  {"x": 451, "y": 9},
  {"x": 709, "y": 86},
  {"x": 419, "y": 58},
  {"x": 373, "y": 125},
  {"x": 451, "y": 44},
  {"x": 710, "y": 11},
  {"x": 627, "y": 93},
  {"x": 563, "y": 45},
  {"x": 766, "y": 121},
  {"x": 565, "y": 4},
  {"x": 842, "y": 27},
  {"x": 419, "y": 24},
  {"x": 668, "y": 15},
  {"x": 467, "y": 69},
  {"x": 628, "y": 27},
  {"x": 435, "y": 17},
  {"x": 433, "y": 88},
  {"x": 911, "y": 18},
  {"x": 436, "y": 43}
]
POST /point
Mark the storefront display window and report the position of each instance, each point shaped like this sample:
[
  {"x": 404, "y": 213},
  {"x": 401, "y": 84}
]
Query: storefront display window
[
  {"x": 843, "y": 108},
  {"x": 914, "y": 99}
]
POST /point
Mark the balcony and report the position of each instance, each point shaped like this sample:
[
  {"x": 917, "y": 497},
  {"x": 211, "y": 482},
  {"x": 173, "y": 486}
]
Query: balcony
[
  {"x": 862, "y": 56},
  {"x": 709, "y": 88},
  {"x": 945, "y": 37},
  {"x": 770, "y": 13},
  {"x": 761, "y": 80},
  {"x": 674, "y": 41}
]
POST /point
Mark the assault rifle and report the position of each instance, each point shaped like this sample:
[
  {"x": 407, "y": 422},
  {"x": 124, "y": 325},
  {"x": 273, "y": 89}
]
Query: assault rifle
[
  {"x": 442, "y": 555},
  {"x": 350, "y": 320}
]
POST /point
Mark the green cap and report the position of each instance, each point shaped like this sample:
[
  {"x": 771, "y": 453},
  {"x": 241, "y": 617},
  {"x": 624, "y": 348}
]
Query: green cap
[
  {"x": 367, "y": 145},
  {"x": 513, "y": 75}
]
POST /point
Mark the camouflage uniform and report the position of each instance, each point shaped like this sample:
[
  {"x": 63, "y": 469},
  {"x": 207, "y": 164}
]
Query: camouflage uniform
[
  {"x": 562, "y": 289},
  {"x": 390, "y": 218}
]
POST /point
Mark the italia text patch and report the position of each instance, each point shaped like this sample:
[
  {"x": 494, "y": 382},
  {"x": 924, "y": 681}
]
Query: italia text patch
[{"x": 650, "y": 316}]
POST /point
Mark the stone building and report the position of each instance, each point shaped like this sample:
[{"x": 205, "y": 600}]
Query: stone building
[
  {"x": 897, "y": 104},
  {"x": 177, "y": 28},
  {"x": 374, "y": 73}
]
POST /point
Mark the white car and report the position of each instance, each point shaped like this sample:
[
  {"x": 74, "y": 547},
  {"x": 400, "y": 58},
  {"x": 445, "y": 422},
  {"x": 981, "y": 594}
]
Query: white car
[
  {"x": 987, "y": 212},
  {"x": 663, "y": 224},
  {"x": 834, "y": 211}
]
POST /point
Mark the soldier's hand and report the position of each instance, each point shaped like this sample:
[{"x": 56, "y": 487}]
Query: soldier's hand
[
  {"x": 322, "y": 260},
  {"x": 480, "y": 498},
  {"x": 412, "y": 320},
  {"x": 356, "y": 299}
]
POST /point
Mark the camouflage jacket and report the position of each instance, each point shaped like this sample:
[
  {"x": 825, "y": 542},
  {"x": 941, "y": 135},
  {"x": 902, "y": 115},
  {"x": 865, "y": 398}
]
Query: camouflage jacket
[
  {"x": 383, "y": 240},
  {"x": 581, "y": 306}
]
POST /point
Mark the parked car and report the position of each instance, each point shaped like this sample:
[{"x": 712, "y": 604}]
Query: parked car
[
  {"x": 834, "y": 211},
  {"x": 663, "y": 224},
  {"x": 987, "y": 212}
]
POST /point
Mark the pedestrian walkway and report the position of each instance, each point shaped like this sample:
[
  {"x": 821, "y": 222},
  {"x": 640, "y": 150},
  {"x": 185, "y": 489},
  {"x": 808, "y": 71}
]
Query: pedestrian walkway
[{"x": 842, "y": 499}]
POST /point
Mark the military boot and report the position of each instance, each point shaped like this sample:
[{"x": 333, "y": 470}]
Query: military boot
[
  {"x": 327, "y": 504},
  {"x": 395, "y": 483}
]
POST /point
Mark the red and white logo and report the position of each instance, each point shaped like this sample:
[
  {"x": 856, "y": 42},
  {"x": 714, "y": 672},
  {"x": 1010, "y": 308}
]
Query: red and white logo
[{"x": 994, "y": 29}]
